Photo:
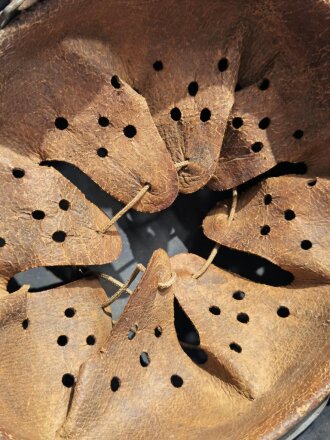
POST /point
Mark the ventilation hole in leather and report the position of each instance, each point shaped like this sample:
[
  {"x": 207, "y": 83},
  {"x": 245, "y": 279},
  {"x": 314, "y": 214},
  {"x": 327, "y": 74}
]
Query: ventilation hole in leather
[
  {"x": 238, "y": 295},
  {"x": 102, "y": 152},
  {"x": 62, "y": 340},
  {"x": 238, "y": 87},
  {"x": 103, "y": 121},
  {"x": 68, "y": 380},
  {"x": 115, "y": 384},
  {"x": 268, "y": 199},
  {"x": 312, "y": 182},
  {"x": 25, "y": 323},
  {"x": 18, "y": 173},
  {"x": 265, "y": 230},
  {"x": 115, "y": 82},
  {"x": 130, "y": 131},
  {"x": 188, "y": 335},
  {"x": 132, "y": 332},
  {"x": 158, "y": 331},
  {"x": 205, "y": 115},
  {"x": 264, "y": 123},
  {"x": 214, "y": 310},
  {"x": 158, "y": 65},
  {"x": 59, "y": 236},
  {"x": 264, "y": 84},
  {"x": 223, "y": 64},
  {"x": 193, "y": 88},
  {"x": 176, "y": 381},
  {"x": 176, "y": 114},
  {"x": 64, "y": 205},
  {"x": 38, "y": 215},
  {"x": 298, "y": 134},
  {"x": 235, "y": 347},
  {"x": 69, "y": 312},
  {"x": 2, "y": 242},
  {"x": 90, "y": 340},
  {"x": 237, "y": 122},
  {"x": 289, "y": 214},
  {"x": 306, "y": 244},
  {"x": 61, "y": 123},
  {"x": 243, "y": 318},
  {"x": 256, "y": 147},
  {"x": 283, "y": 312},
  {"x": 144, "y": 359},
  {"x": 83, "y": 182}
]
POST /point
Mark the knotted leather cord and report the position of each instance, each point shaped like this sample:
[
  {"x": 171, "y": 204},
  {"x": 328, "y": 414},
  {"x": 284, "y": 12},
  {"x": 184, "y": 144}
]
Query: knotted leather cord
[
  {"x": 216, "y": 247},
  {"x": 112, "y": 280},
  {"x": 123, "y": 287},
  {"x": 139, "y": 268},
  {"x": 180, "y": 165},
  {"x": 129, "y": 205},
  {"x": 169, "y": 283}
]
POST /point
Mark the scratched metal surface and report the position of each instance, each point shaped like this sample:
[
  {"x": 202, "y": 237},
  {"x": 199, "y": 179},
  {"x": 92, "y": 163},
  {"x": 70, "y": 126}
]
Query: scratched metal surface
[{"x": 319, "y": 429}]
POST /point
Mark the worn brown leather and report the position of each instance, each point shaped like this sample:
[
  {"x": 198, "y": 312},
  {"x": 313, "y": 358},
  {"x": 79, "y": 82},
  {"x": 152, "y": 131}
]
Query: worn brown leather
[
  {"x": 60, "y": 209},
  {"x": 33, "y": 400},
  {"x": 63, "y": 62},
  {"x": 283, "y": 76},
  {"x": 279, "y": 376},
  {"x": 229, "y": 383},
  {"x": 283, "y": 368},
  {"x": 68, "y": 74},
  {"x": 110, "y": 68},
  {"x": 284, "y": 219},
  {"x": 52, "y": 73},
  {"x": 146, "y": 403}
]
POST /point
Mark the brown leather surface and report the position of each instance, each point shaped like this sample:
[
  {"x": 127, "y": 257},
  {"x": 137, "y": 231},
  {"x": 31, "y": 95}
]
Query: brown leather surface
[
  {"x": 115, "y": 71},
  {"x": 33, "y": 400},
  {"x": 26, "y": 241},
  {"x": 59, "y": 78},
  {"x": 146, "y": 402},
  {"x": 278, "y": 377},
  {"x": 284, "y": 77},
  {"x": 71, "y": 67},
  {"x": 292, "y": 213},
  {"x": 193, "y": 138},
  {"x": 68, "y": 73},
  {"x": 283, "y": 365}
]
